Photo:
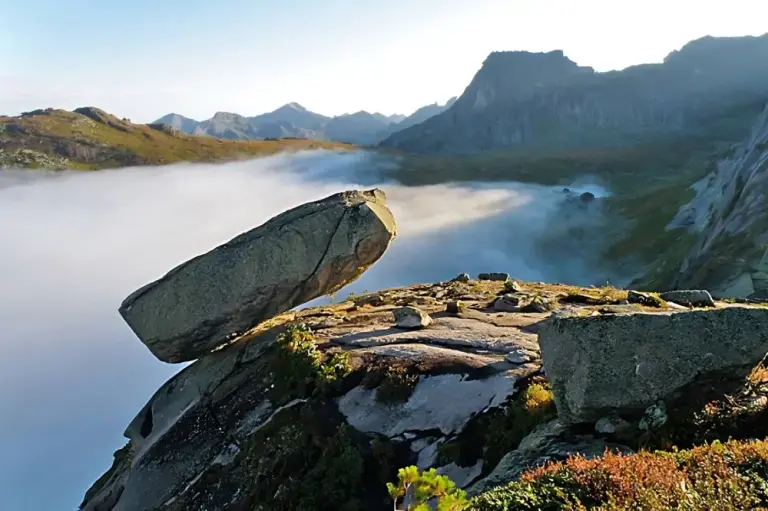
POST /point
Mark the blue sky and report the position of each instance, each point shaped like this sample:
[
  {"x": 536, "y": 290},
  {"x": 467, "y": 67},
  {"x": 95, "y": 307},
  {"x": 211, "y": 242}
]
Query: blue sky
[{"x": 144, "y": 58}]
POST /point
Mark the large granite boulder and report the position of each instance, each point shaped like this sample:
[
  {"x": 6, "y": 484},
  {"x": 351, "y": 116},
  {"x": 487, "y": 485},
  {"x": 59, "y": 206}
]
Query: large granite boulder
[
  {"x": 301, "y": 254},
  {"x": 607, "y": 364}
]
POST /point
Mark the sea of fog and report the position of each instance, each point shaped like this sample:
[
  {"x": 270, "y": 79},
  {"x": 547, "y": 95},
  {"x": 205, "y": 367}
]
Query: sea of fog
[{"x": 73, "y": 245}]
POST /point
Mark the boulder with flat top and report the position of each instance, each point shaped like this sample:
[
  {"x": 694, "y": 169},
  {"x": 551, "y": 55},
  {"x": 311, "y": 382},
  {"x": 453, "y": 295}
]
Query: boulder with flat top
[{"x": 621, "y": 364}]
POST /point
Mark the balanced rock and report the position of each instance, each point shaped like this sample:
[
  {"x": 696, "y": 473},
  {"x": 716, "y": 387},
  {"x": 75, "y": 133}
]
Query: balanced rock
[
  {"x": 306, "y": 252},
  {"x": 647, "y": 356}
]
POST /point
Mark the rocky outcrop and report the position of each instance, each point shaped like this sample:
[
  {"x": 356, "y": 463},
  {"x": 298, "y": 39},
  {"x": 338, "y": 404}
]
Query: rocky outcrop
[
  {"x": 624, "y": 364},
  {"x": 546, "y": 100},
  {"x": 29, "y": 158},
  {"x": 198, "y": 442},
  {"x": 259, "y": 425},
  {"x": 729, "y": 219},
  {"x": 309, "y": 251}
]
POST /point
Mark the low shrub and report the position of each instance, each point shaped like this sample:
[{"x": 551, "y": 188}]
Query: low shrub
[
  {"x": 393, "y": 382},
  {"x": 424, "y": 486},
  {"x": 729, "y": 476},
  {"x": 300, "y": 369},
  {"x": 534, "y": 405}
]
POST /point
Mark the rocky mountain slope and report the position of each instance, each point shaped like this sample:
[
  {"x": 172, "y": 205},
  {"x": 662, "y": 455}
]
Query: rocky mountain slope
[
  {"x": 727, "y": 222},
  {"x": 178, "y": 122},
  {"x": 89, "y": 138},
  {"x": 482, "y": 379},
  {"x": 546, "y": 100},
  {"x": 293, "y": 120}
]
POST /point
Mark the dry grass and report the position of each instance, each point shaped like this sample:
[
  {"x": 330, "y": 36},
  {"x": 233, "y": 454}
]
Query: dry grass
[{"x": 759, "y": 375}]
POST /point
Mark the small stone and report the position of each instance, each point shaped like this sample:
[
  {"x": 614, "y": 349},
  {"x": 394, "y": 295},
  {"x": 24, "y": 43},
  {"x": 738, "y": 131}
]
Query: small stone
[
  {"x": 411, "y": 318},
  {"x": 503, "y": 277},
  {"x": 473, "y": 297},
  {"x": 758, "y": 403},
  {"x": 521, "y": 356},
  {"x": 611, "y": 425},
  {"x": 507, "y": 303},
  {"x": 538, "y": 304},
  {"x": 643, "y": 299},
  {"x": 628, "y": 308},
  {"x": 654, "y": 417},
  {"x": 692, "y": 297},
  {"x": 461, "y": 277},
  {"x": 512, "y": 286},
  {"x": 454, "y": 306}
]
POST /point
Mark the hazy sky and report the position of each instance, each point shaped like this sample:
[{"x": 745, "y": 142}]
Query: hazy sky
[{"x": 144, "y": 58}]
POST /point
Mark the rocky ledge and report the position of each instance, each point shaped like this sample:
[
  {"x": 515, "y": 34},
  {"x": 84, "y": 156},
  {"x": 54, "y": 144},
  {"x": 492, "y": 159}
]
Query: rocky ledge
[{"x": 481, "y": 379}]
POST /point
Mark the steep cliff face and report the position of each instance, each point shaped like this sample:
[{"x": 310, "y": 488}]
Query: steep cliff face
[
  {"x": 730, "y": 219},
  {"x": 545, "y": 99}
]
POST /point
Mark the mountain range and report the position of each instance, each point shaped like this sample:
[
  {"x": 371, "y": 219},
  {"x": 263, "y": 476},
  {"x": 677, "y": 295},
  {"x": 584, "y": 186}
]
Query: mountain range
[
  {"x": 546, "y": 100},
  {"x": 294, "y": 121}
]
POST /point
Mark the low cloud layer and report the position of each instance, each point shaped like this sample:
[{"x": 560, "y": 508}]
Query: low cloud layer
[{"x": 72, "y": 375}]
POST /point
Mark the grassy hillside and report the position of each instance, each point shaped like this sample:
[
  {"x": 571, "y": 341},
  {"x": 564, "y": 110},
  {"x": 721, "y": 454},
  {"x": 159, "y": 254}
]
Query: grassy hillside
[{"x": 90, "y": 139}]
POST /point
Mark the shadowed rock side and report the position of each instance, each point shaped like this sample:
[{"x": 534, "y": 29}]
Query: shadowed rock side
[{"x": 304, "y": 253}]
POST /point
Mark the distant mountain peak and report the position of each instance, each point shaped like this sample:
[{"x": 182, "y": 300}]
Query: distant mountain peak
[
  {"x": 293, "y": 106},
  {"x": 226, "y": 115}
]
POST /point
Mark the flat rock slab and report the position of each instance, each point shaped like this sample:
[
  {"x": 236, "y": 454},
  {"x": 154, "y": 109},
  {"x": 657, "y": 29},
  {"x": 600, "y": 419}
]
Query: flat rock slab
[
  {"x": 426, "y": 353},
  {"x": 306, "y": 252},
  {"x": 426, "y": 408},
  {"x": 607, "y": 364},
  {"x": 447, "y": 331}
]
